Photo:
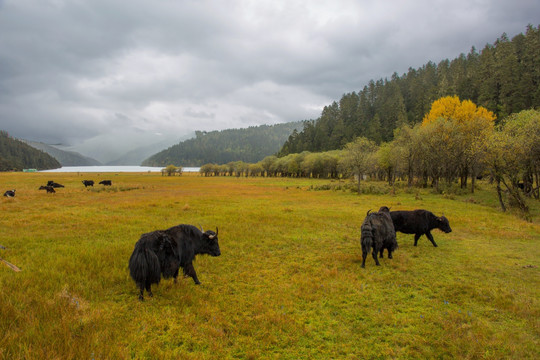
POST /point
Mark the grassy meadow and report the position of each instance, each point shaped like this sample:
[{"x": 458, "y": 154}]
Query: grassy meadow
[{"x": 288, "y": 284}]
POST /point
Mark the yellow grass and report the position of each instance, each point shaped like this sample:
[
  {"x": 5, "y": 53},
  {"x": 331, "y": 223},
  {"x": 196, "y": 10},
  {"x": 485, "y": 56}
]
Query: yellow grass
[{"x": 288, "y": 284}]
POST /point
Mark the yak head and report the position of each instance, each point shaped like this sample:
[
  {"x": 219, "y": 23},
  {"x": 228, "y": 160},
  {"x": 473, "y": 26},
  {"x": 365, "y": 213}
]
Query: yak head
[
  {"x": 443, "y": 224},
  {"x": 210, "y": 243},
  {"x": 384, "y": 209}
]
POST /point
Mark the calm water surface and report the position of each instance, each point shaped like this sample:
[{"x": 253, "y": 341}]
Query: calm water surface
[{"x": 100, "y": 169}]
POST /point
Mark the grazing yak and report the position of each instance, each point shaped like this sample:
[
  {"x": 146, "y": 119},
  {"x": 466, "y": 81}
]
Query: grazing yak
[
  {"x": 390, "y": 243},
  {"x": 49, "y": 189},
  {"x": 162, "y": 252},
  {"x": 88, "y": 183},
  {"x": 419, "y": 222},
  {"x": 377, "y": 233},
  {"x": 10, "y": 193},
  {"x": 54, "y": 184},
  {"x": 106, "y": 182}
]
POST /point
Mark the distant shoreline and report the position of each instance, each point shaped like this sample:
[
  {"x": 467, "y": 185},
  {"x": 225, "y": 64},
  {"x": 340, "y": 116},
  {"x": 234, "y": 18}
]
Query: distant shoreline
[{"x": 124, "y": 168}]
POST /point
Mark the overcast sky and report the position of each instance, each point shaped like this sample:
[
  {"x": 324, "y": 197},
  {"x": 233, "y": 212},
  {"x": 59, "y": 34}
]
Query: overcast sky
[{"x": 94, "y": 72}]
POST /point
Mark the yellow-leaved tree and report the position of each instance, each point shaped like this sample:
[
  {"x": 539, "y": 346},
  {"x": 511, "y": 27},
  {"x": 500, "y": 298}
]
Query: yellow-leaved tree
[{"x": 466, "y": 145}]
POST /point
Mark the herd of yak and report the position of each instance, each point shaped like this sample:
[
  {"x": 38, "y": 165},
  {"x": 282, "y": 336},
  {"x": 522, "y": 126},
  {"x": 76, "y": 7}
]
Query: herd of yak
[
  {"x": 162, "y": 253},
  {"x": 51, "y": 185}
]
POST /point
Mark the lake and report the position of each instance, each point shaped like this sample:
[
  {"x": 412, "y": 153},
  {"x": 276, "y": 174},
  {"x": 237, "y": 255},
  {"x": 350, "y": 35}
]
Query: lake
[{"x": 123, "y": 168}]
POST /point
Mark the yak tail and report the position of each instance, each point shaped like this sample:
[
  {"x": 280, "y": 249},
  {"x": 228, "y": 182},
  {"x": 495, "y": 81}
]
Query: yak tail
[
  {"x": 144, "y": 266},
  {"x": 366, "y": 241}
]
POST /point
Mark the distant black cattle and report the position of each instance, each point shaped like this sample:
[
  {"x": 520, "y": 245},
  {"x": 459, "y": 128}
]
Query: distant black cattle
[
  {"x": 88, "y": 183},
  {"x": 54, "y": 184},
  {"x": 106, "y": 182},
  {"x": 377, "y": 233},
  {"x": 163, "y": 252},
  {"x": 49, "y": 189},
  {"x": 419, "y": 222},
  {"x": 10, "y": 193}
]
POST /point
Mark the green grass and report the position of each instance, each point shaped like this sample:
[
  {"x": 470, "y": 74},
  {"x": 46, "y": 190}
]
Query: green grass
[{"x": 288, "y": 284}]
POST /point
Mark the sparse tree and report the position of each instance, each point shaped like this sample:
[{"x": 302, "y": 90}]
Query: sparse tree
[
  {"x": 359, "y": 158},
  {"x": 459, "y": 129},
  {"x": 170, "y": 170}
]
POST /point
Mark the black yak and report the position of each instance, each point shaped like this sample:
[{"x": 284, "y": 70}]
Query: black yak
[
  {"x": 54, "y": 184},
  {"x": 88, "y": 183},
  {"x": 106, "y": 182},
  {"x": 389, "y": 243},
  {"x": 419, "y": 222},
  {"x": 49, "y": 189},
  {"x": 377, "y": 233},
  {"x": 10, "y": 193},
  {"x": 162, "y": 252}
]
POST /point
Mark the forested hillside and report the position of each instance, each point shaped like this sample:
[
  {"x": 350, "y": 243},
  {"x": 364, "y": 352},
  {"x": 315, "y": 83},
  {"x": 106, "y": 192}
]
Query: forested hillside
[
  {"x": 66, "y": 158},
  {"x": 504, "y": 78},
  {"x": 16, "y": 155},
  {"x": 251, "y": 145}
]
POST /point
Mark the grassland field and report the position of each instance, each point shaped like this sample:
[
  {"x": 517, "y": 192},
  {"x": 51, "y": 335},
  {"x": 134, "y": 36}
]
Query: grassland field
[{"x": 288, "y": 284}]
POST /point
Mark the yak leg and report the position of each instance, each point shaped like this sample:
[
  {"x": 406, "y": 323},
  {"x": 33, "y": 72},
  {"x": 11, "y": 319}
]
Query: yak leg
[
  {"x": 374, "y": 253},
  {"x": 149, "y": 289},
  {"x": 175, "y": 276},
  {"x": 141, "y": 293},
  {"x": 190, "y": 271},
  {"x": 430, "y": 237},
  {"x": 390, "y": 254},
  {"x": 416, "y": 237},
  {"x": 364, "y": 256},
  {"x": 381, "y": 254}
]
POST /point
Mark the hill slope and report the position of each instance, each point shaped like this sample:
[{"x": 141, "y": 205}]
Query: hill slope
[
  {"x": 250, "y": 145},
  {"x": 66, "y": 158},
  {"x": 17, "y": 155},
  {"x": 503, "y": 78},
  {"x": 138, "y": 155}
]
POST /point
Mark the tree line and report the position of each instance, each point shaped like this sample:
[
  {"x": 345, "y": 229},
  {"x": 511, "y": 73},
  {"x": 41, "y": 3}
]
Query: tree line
[
  {"x": 250, "y": 145},
  {"x": 457, "y": 142},
  {"x": 16, "y": 155},
  {"x": 504, "y": 78}
]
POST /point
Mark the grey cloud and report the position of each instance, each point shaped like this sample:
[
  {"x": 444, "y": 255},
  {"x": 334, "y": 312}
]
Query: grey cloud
[{"x": 79, "y": 71}]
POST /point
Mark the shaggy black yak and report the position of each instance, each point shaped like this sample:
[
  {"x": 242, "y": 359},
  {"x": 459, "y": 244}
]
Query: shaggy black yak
[{"x": 162, "y": 252}]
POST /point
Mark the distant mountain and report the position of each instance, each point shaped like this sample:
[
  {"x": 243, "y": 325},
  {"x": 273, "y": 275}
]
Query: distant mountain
[
  {"x": 250, "y": 145},
  {"x": 66, "y": 158},
  {"x": 17, "y": 155},
  {"x": 137, "y": 156}
]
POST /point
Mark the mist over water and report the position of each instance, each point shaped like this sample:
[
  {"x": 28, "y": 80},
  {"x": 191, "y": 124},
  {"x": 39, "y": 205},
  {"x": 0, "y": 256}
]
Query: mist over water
[{"x": 104, "y": 169}]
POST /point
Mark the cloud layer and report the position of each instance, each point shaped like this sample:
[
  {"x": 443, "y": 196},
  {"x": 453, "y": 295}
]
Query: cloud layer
[{"x": 95, "y": 71}]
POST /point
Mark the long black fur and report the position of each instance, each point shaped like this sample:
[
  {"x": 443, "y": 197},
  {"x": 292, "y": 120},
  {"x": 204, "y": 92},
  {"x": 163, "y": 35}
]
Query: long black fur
[
  {"x": 163, "y": 252},
  {"x": 54, "y": 184},
  {"x": 389, "y": 242},
  {"x": 377, "y": 234},
  {"x": 419, "y": 222}
]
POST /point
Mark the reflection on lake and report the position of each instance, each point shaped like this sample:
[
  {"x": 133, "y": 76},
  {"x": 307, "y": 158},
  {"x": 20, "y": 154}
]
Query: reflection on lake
[{"x": 100, "y": 169}]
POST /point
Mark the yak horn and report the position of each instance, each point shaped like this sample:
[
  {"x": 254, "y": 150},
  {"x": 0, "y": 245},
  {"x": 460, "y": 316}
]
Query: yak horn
[
  {"x": 368, "y": 212},
  {"x": 201, "y": 228}
]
